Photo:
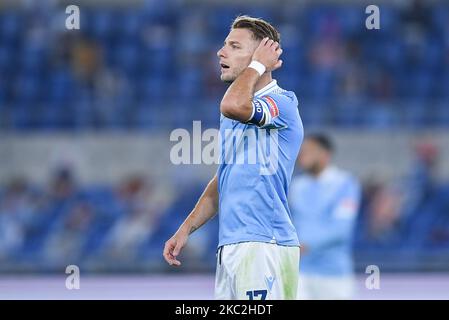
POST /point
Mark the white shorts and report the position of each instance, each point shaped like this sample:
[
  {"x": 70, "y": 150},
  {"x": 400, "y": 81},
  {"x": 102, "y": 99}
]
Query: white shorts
[
  {"x": 316, "y": 287},
  {"x": 256, "y": 271}
]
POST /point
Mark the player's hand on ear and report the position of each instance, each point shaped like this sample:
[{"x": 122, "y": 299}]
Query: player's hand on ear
[
  {"x": 173, "y": 247},
  {"x": 268, "y": 53}
]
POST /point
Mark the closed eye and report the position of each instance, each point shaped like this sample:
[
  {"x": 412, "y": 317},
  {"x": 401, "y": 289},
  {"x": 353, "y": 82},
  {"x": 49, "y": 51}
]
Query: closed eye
[{"x": 232, "y": 44}]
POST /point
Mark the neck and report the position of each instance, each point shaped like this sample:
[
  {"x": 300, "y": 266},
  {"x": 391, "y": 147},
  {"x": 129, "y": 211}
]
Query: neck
[{"x": 263, "y": 81}]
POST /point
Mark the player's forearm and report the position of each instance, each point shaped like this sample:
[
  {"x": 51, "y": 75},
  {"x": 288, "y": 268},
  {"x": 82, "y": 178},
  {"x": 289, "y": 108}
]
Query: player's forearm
[
  {"x": 236, "y": 103},
  {"x": 204, "y": 210}
]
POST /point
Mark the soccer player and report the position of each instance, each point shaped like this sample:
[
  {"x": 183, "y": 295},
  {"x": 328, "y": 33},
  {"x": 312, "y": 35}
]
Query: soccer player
[
  {"x": 258, "y": 250},
  {"x": 324, "y": 201}
]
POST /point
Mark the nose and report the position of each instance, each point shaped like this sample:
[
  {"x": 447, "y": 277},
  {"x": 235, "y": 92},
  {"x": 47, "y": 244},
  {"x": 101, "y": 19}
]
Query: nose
[{"x": 220, "y": 53}]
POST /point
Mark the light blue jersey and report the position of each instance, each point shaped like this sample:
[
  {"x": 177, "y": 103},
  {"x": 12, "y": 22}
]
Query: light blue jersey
[
  {"x": 324, "y": 210},
  {"x": 256, "y": 166}
]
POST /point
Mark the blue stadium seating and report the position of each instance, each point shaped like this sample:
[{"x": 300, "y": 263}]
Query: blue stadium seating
[{"x": 155, "y": 68}]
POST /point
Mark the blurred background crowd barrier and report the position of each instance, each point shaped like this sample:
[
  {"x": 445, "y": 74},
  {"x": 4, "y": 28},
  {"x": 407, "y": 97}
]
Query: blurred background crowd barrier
[{"x": 86, "y": 116}]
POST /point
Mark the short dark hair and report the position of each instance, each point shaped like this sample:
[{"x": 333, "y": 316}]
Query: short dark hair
[
  {"x": 259, "y": 27},
  {"x": 323, "y": 140}
]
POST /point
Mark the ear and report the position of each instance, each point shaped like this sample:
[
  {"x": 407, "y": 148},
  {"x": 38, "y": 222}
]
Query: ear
[{"x": 255, "y": 42}]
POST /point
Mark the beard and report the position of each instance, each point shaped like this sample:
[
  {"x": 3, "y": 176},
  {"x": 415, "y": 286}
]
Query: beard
[
  {"x": 230, "y": 77},
  {"x": 314, "y": 169},
  {"x": 227, "y": 80}
]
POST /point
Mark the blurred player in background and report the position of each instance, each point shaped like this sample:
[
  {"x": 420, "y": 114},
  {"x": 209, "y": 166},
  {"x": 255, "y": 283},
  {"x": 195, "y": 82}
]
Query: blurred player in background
[
  {"x": 324, "y": 201},
  {"x": 258, "y": 251}
]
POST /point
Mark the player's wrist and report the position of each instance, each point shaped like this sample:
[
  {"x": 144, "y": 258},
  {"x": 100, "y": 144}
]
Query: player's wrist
[
  {"x": 184, "y": 229},
  {"x": 258, "y": 66}
]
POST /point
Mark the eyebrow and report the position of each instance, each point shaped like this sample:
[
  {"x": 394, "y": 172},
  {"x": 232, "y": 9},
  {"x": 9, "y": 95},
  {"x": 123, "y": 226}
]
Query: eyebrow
[{"x": 232, "y": 42}]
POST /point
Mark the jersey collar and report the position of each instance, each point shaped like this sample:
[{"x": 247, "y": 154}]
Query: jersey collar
[{"x": 267, "y": 89}]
